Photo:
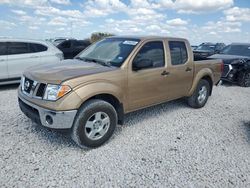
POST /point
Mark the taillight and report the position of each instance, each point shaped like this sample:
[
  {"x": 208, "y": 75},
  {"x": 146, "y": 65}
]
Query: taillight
[{"x": 222, "y": 66}]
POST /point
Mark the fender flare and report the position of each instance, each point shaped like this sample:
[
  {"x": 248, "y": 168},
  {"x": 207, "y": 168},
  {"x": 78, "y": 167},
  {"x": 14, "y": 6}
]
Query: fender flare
[
  {"x": 91, "y": 89},
  {"x": 206, "y": 72}
]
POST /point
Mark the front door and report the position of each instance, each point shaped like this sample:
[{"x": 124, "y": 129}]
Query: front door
[{"x": 147, "y": 83}]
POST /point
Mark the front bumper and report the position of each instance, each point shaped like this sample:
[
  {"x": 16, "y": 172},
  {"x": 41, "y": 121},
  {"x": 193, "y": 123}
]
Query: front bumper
[{"x": 46, "y": 117}]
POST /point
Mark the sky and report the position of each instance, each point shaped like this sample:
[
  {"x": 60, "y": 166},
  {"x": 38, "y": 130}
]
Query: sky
[{"x": 197, "y": 20}]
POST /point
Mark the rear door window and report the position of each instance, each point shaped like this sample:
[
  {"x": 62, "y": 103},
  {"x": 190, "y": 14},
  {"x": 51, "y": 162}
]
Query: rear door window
[
  {"x": 18, "y": 48},
  {"x": 3, "y": 48},
  {"x": 37, "y": 48},
  {"x": 178, "y": 52}
]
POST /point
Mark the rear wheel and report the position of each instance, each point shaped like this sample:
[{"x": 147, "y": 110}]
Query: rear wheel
[
  {"x": 200, "y": 96},
  {"x": 94, "y": 123},
  {"x": 244, "y": 79}
]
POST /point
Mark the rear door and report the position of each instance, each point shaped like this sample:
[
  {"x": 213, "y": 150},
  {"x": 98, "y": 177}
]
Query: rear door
[
  {"x": 20, "y": 57},
  {"x": 180, "y": 69},
  {"x": 3, "y": 61}
]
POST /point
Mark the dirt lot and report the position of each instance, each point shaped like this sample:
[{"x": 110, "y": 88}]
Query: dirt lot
[{"x": 169, "y": 145}]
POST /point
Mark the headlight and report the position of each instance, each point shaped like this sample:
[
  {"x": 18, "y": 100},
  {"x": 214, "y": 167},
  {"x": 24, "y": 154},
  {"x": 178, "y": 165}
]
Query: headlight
[
  {"x": 54, "y": 92},
  {"x": 22, "y": 83}
]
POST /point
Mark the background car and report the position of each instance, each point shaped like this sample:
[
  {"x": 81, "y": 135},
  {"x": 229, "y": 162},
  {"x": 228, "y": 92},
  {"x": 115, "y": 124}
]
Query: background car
[
  {"x": 72, "y": 47},
  {"x": 16, "y": 55},
  {"x": 236, "y": 59},
  {"x": 207, "y": 49},
  {"x": 58, "y": 40},
  {"x": 193, "y": 47}
]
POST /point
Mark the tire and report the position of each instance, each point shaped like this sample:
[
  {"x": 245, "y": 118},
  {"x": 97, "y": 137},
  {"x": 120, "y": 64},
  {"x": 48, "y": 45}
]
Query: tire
[
  {"x": 197, "y": 100},
  {"x": 95, "y": 115},
  {"x": 244, "y": 79}
]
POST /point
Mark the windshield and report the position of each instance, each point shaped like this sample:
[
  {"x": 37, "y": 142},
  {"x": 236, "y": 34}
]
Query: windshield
[
  {"x": 111, "y": 50},
  {"x": 205, "y": 47},
  {"x": 241, "y": 50}
]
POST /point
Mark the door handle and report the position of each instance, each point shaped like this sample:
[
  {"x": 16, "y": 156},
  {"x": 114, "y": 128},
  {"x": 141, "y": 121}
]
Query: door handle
[
  {"x": 165, "y": 73},
  {"x": 188, "y": 69}
]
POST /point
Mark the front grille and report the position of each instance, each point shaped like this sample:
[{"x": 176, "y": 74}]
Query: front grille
[
  {"x": 32, "y": 88},
  {"x": 41, "y": 90},
  {"x": 28, "y": 84},
  {"x": 226, "y": 70}
]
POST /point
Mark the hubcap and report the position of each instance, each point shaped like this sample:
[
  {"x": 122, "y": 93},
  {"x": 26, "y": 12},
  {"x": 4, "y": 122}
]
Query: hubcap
[
  {"x": 97, "y": 125},
  {"x": 202, "y": 94}
]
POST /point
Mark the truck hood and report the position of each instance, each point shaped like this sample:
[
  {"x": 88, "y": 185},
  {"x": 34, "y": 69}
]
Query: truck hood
[
  {"x": 64, "y": 70},
  {"x": 227, "y": 59}
]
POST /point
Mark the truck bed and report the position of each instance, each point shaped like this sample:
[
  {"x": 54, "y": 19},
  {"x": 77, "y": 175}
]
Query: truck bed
[{"x": 215, "y": 67}]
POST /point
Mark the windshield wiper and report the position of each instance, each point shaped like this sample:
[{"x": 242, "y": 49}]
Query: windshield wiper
[{"x": 95, "y": 61}]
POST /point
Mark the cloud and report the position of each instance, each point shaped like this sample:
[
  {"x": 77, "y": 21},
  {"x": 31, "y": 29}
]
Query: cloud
[
  {"x": 34, "y": 3},
  {"x": 153, "y": 28},
  {"x": 33, "y": 27},
  {"x": 237, "y": 14},
  {"x": 97, "y": 8},
  {"x": 52, "y": 11},
  {"x": 19, "y": 12},
  {"x": 177, "y": 22},
  {"x": 58, "y": 21},
  {"x": 25, "y": 3},
  {"x": 147, "y": 4},
  {"x": 60, "y": 29},
  {"x": 7, "y": 25},
  {"x": 135, "y": 17},
  {"x": 31, "y": 20},
  {"x": 201, "y": 6},
  {"x": 222, "y": 27},
  {"x": 62, "y": 2}
]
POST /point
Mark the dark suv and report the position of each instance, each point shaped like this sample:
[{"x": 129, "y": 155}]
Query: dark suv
[
  {"x": 236, "y": 58},
  {"x": 72, "y": 47},
  {"x": 206, "y": 49}
]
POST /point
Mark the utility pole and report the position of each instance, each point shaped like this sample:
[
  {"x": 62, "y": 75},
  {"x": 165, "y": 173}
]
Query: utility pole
[{"x": 71, "y": 29}]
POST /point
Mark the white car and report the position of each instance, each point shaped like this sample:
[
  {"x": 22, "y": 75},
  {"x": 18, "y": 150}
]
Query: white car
[{"x": 16, "y": 55}]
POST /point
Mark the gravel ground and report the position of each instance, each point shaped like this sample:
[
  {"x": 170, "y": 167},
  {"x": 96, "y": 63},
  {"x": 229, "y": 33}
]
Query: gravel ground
[{"x": 169, "y": 145}]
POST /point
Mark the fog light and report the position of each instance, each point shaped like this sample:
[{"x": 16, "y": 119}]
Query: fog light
[
  {"x": 231, "y": 75},
  {"x": 49, "y": 120}
]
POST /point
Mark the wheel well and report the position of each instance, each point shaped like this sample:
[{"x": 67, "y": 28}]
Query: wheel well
[
  {"x": 114, "y": 102},
  {"x": 208, "y": 78}
]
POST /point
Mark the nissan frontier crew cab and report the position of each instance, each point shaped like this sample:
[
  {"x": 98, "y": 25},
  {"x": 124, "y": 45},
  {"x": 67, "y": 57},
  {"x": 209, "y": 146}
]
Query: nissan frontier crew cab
[{"x": 90, "y": 94}]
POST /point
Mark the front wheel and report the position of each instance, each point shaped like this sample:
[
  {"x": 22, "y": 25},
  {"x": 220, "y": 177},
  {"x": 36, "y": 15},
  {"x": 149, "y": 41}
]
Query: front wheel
[
  {"x": 200, "y": 96},
  {"x": 94, "y": 124},
  {"x": 244, "y": 79}
]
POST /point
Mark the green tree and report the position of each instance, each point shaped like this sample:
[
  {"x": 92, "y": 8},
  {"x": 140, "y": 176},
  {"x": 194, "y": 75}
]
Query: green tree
[{"x": 98, "y": 36}]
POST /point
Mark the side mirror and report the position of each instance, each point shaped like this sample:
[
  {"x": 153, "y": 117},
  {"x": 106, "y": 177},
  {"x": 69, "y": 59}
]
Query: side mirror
[{"x": 142, "y": 64}]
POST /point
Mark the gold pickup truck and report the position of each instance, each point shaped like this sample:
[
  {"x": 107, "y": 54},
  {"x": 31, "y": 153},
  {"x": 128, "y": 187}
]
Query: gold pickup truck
[{"x": 90, "y": 94}]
